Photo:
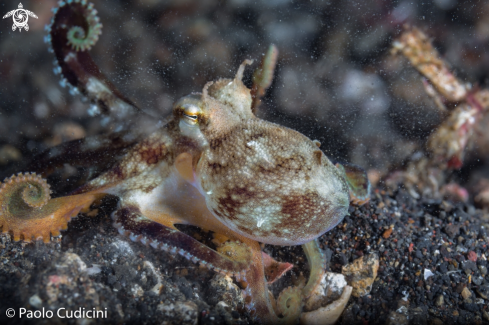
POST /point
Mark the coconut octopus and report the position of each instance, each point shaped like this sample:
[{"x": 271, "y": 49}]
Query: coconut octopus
[{"x": 212, "y": 164}]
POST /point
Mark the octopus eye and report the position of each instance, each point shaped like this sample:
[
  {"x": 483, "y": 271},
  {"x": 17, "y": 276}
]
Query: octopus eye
[
  {"x": 191, "y": 114},
  {"x": 188, "y": 108}
]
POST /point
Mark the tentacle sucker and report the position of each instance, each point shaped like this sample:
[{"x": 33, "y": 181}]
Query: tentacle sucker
[{"x": 27, "y": 210}]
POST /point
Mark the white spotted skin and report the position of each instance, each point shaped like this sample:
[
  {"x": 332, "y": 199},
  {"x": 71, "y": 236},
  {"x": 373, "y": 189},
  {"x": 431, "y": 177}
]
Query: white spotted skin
[{"x": 266, "y": 182}]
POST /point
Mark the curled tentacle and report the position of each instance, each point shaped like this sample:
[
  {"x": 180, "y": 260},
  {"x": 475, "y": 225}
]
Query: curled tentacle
[
  {"x": 74, "y": 29},
  {"x": 82, "y": 38},
  {"x": 27, "y": 210},
  {"x": 289, "y": 304},
  {"x": 20, "y": 196},
  {"x": 22, "y": 193},
  {"x": 36, "y": 191}
]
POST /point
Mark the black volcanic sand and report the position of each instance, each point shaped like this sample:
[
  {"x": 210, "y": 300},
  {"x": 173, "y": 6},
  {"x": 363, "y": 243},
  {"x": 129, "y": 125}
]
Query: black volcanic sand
[
  {"x": 120, "y": 276},
  {"x": 335, "y": 82},
  {"x": 428, "y": 235}
]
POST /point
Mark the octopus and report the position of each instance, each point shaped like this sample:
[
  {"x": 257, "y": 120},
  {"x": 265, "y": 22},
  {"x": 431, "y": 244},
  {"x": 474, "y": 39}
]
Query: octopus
[{"x": 211, "y": 164}]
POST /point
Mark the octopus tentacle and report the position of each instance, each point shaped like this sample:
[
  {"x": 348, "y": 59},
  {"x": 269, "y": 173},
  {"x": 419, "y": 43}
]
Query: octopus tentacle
[
  {"x": 74, "y": 29},
  {"x": 82, "y": 40},
  {"x": 232, "y": 259},
  {"x": 234, "y": 250},
  {"x": 141, "y": 157},
  {"x": 357, "y": 181},
  {"x": 27, "y": 210},
  {"x": 289, "y": 304},
  {"x": 263, "y": 76},
  {"x": 317, "y": 265},
  {"x": 290, "y": 301},
  {"x": 241, "y": 257},
  {"x": 257, "y": 296},
  {"x": 98, "y": 152},
  {"x": 36, "y": 191},
  {"x": 274, "y": 269}
]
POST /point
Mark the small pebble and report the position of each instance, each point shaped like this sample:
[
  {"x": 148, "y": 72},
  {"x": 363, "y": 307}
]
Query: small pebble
[
  {"x": 466, "y": 293},
  {"x": 35, "y": 301},
  {"x": 439, "y": 300}
]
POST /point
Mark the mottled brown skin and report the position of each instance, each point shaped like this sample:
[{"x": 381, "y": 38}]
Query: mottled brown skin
[
  {"x": 258, "y": 158},
  {"x": 212, "y": 164}
]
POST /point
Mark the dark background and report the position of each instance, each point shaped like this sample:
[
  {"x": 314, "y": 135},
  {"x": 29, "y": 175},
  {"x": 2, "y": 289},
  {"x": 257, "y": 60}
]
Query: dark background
[{"x": 335, "y": 81}]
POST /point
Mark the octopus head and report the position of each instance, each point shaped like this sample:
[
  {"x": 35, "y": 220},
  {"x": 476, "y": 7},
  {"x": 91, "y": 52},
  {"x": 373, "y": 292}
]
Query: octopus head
[{"x": 262, "y": 180}]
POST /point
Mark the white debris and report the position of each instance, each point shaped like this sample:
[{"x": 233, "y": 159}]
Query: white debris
[
  {"x": 402, "y": 310},
  {"x": 95, "y": 269},
  {"x": 137, "y": 291},
  {"x": 157, "y": 287},
  {"x": 123, "y": 246},
  {"x": 427, "y": 273},
  {"x": 406, "y": 295},
  {"x": 35, "y": 301}
]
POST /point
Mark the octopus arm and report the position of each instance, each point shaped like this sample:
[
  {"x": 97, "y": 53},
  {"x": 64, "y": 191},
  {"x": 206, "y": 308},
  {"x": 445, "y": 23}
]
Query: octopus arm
[
  {"x": 258, "y": 299},
  {"x": 150, "y": 217},
  {"x": 317, "y": 264},
  {"x": 74, "y": 29},
  {"x": 358, "y": 183},
  {"x": 263, "y": 76},
  {"x": 102, "y": 151},
  {"x": 163, "y": 235},
  {"x": 27, "y": 211},
  {"x": 290, "y": 301}
]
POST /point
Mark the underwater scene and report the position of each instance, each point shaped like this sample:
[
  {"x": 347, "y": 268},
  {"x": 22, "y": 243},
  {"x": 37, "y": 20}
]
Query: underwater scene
[{"x": 244, "y": 162}]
